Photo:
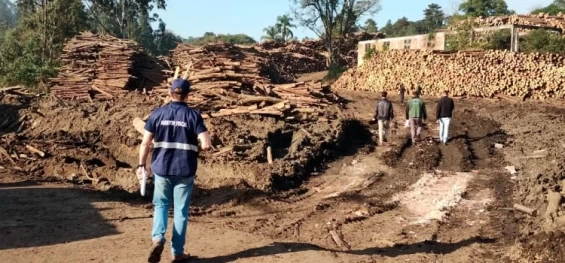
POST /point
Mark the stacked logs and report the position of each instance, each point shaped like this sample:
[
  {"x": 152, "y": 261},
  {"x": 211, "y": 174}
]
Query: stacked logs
[
  {"x": 467, "y": 73},
  {"x": 214, "y": 64},
  {"x": 104, "y": 67},
  {"x": 291, "y": 59},
  {"x": 299, "y": 57},
  {"x": 231, "y": 80},
  {"x": 541, "y": 20}
]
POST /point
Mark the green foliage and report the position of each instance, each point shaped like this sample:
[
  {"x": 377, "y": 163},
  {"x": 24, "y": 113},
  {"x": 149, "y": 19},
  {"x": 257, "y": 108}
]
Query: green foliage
[
  {"x": 8, "y": 14},
  {"x": 543, "y": 41},
  {"x": 370, "y": 26},
  {"x": 558, "y": 6},
  {"x": 134, "y": 21},
  {"x": 271, "y": 33},
  {"x": 21, "y": 61},
  {"x": 434, "y": 18},
  {"x": 283, "y": 26},
  {"x": 462, "y": 39},
  {"x": 500, "y": 40},
  {"x": 369, "y": 53},
  {"x": 332, "y": 20},
  {"x": 485, "y": 8},
  {"x": 402, "y": 27},
  {"x": 29, "y": 52},
  {"x": 209, "y": 37}
]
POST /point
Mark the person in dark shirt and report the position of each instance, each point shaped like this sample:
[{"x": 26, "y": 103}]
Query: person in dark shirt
[
  {"x": 384, "y": 114},
  {"x": 176, "y": 130},
  {"x": 444, "y": 113}
]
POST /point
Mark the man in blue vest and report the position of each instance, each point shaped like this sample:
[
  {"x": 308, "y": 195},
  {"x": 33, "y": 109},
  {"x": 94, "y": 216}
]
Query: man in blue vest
[{"x": 176, "y": 130}]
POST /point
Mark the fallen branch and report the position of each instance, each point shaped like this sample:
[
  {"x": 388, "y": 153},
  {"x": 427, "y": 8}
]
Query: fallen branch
[
  {"x": 11, "y": 88},
  {"x": 5, "y": 153},
  {"x": 101, "y": 91},
  {"x": 525, "y": 209},
  {"x": 35, "y": 150},
  {"x": 338, "y": 241},
  {"x": 553, "y": 202}
]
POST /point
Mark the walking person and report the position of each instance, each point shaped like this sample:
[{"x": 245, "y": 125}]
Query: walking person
[
  {"x": 384, "y": 114},
  {"x": 402, "y": 91},
  {"x": 176, "y": 130},
  {"x": 444, "y": 113},
  {"x": 419, "y": 90},
  {"x": 416, "y": 114}
]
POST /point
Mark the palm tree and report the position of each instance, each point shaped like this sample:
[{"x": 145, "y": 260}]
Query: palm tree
[
  {"x": 271, "y": 33},
  {"x": 283, "y": 25}
]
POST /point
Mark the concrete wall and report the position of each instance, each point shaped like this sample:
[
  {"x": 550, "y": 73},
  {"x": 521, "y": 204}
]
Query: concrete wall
[{"x": 408, "y": 42}]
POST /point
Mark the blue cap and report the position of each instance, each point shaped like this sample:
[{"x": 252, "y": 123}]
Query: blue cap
[{"x": 181, "y": 83}]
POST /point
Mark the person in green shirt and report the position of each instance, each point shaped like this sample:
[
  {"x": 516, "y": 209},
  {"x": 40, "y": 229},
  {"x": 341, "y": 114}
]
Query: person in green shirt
[{"x": 416, "y": 115}]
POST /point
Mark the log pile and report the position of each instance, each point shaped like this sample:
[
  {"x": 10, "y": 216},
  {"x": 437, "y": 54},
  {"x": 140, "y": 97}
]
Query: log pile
[
  {"x": 221, "y": 64},
  {"x": 467, "y": 73},
  {"x": 291, "y": 59},
  {"x": 104, "y": 67},
  {"x": 229, "y": 80},
  {"x": 299, "y": 57},
  {"x": 542, "y": 20}
]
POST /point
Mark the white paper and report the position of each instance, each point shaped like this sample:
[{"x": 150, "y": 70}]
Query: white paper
[{"x": 143, "y": 181}]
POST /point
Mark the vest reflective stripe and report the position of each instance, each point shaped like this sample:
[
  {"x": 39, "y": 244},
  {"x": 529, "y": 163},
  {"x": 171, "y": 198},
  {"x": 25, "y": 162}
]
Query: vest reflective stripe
[{"x": 175, "y": 145}]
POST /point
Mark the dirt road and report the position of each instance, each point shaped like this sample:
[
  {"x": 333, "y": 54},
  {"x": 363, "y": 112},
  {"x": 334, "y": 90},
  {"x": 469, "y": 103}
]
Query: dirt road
[{"x": 396, "y": 203}]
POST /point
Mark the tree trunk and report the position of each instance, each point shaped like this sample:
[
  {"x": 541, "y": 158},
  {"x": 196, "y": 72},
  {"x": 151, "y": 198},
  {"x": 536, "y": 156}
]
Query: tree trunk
[{"x": 123, "y": 24}]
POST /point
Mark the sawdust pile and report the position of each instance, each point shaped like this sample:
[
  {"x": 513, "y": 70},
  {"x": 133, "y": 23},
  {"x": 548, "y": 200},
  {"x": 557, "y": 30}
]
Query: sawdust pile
[{"x": 433, "y": 195}]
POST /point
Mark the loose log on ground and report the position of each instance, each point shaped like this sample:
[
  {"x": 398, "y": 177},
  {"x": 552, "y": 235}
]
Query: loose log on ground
[
  {"x": 553, "y": 202},
  {"x": 524, "y": 209},
  {"x": 35, "y": 150}
]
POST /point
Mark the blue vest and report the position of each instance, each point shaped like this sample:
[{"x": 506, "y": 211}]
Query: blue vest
[{"x": 175, "y": 129}]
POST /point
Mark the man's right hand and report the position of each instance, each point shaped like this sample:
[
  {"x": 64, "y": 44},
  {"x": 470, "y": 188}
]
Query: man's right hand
[{"x": 139, "y": 173}]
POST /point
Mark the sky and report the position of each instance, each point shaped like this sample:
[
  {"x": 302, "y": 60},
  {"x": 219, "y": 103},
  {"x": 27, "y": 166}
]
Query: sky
[{"x": 194, "y": 18}]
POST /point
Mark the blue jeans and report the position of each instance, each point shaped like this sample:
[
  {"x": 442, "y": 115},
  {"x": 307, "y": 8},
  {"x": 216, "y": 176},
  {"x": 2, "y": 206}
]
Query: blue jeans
[
  {"x": 444, "y": 129},
  {"x": 178, "y": 189}
]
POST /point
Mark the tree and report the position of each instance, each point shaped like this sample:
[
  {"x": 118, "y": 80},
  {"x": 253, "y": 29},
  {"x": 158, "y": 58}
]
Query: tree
[
  {"x": 120, "y": 17},
  {"x": 332, "y": 20},
  {"x": 371, "y": 26},
  {"x": 387, "y": 29},
  {"x": 8, "y": 14},
  {"x": 29, "y": 52},
  {"x": 271, "y": 33},
  {"x": 434, "y": 18},
  {"x": 485, "y": 8},
  {"x": 558, "y": 6},
  {"x": 283, "y": 25},
  {"x": 210, "y": 37}
]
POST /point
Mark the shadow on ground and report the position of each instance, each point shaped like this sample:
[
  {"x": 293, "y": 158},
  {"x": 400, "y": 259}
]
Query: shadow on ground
[
  {"x": 33, "y": 215},
  {"x": 429, "y": 247}
]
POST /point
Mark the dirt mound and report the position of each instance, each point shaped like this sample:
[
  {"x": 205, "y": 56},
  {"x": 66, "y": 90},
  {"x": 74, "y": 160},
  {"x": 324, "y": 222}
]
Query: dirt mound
[{"x": 97, "y": 143}]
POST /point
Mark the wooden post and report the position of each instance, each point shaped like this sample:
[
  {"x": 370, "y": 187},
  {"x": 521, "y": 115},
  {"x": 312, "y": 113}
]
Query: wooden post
[
  {"x": 513, "y": 39},
  {"x": 269, "y": 155}
]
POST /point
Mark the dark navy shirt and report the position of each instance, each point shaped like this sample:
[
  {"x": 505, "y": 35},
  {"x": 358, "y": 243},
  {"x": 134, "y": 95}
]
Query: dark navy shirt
[{"x": 175, "y": 128}]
